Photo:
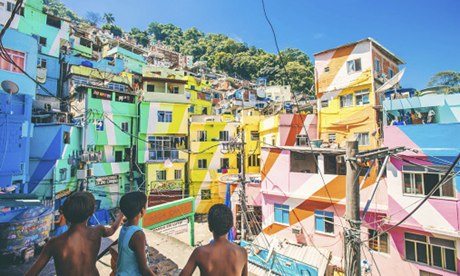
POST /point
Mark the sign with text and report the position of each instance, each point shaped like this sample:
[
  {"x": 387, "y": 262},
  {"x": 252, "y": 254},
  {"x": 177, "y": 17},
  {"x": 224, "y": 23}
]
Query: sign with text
[{"x": 106, "y": 180}]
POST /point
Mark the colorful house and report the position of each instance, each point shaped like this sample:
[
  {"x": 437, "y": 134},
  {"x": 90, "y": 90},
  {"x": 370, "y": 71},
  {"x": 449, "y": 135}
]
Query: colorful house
[
  {"x": 106, "y": 109},
  {"x": 163, "y": 129},
  {"x": 16, "y": 109},
  {"x": 211, "y": 158},
  {"x": 346, "y": 78},
  {"x": 428, "y": 242},
  {"x": 132, "y": 55},
  {"x": 200, "y": 95}
]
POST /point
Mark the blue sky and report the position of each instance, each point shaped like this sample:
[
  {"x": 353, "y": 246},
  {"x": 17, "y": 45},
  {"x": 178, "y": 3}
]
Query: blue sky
[{"x": 424, "y": 33}]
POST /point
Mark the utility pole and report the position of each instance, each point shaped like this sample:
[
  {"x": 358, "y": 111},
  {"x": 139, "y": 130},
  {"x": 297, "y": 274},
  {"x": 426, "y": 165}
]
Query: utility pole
[
  {"x": 352, "y": 235},
  {"x": 243, "y": 184}
]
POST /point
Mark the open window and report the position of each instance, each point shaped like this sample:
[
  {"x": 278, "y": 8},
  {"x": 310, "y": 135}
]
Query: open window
[{"x": 303, "y": 162}]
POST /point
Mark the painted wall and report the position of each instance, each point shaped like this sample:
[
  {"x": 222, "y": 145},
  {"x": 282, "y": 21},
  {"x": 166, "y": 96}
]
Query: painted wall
[{"x": 15, "y": 114}]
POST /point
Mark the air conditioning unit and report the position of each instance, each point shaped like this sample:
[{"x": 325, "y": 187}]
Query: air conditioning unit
[{"x": 296, "y": 230}]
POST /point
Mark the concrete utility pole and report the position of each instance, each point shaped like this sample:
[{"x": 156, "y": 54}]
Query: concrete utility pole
[
  {"x": 352, "y": 235},
  {"x": 243, "y": 185}
]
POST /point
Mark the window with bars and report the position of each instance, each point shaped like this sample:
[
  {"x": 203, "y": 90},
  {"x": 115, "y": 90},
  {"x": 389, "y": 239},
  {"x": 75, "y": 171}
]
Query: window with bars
[
  {"x": 18, "y": 57},
  {"x": 324, "y": 221},
  {"x": 435, "y": 252},
  {"x": 202, "y": 136},
  {"x": 302, "y": 140},
  {"x": 177, "y": 174},
  {"x": 161, "y": 175},
  {"x": 378, "y": 241},
  {"x": 254, "y": 160},
  {"x": 165, "y": 147},
  {"x": 362, "y": 138},
  {"x": 419, "y": 183},
  {"x": 346, "y": 100},
  {"x": 164, "y": 116},
  {"x": 202, "y": 163},
  {"x": 223, "y": 135}
]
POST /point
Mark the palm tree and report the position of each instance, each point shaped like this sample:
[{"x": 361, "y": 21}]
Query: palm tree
[{"x": 109, "y": 18}]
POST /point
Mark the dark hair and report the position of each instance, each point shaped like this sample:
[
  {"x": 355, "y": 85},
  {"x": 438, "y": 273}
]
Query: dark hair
[
  {"x": 79, "y": 207},
  {"x": 220, "y": 219},
  {"x": 132, "y": 203}
]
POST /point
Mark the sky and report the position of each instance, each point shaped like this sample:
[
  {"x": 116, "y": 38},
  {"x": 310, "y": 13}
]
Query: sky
[{"x": 423, "y": 33}]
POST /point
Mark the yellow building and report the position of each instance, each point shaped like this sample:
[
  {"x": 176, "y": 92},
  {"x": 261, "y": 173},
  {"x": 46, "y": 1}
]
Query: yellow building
[
  {"x": 200, "y": 95},
  {"x": 346, "y": 78},
  {"x": 210, "y": 159},
  {"x": 249, "y": 121},
  {"x": 163, "y": 129}
]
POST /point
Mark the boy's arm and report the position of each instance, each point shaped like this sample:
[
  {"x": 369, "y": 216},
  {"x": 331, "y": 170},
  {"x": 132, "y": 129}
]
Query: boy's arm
[
  {"x": 191, "y": 265},
  {"x": 137, "y": 244},
  {"x": 42, "y": 260},
  {"x": 245, "y": 268},
  {"x": 109, "y": 231}
]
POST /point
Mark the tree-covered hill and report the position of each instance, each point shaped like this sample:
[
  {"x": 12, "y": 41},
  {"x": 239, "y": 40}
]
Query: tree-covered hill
[{"x": 219, "y": 51}]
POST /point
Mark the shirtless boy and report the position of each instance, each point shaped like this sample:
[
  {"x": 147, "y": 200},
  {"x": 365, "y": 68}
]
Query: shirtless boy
[
  {"x": 75, "y": 251},
  {"x": 220, "y": 257}
]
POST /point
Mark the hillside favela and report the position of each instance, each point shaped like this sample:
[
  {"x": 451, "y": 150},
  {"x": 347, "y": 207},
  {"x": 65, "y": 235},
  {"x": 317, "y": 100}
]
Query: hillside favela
[{"x": 274, "y": 138}]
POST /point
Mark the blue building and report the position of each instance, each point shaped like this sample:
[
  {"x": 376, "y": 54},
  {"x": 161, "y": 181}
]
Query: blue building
[{"x": 15, "y": 111}]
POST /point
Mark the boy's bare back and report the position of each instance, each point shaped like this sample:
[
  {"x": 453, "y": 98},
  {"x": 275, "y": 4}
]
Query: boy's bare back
[
  {"x": 221, "y": 258},
  {"x": 75, "y": 252}
]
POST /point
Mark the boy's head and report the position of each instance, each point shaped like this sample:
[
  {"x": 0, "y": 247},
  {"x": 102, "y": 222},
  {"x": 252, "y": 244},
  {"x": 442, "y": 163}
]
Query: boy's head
[
  {"x": 220, "y": 219},
  {"x": 132, "y": 204},
  {"x": 79, "y": 207}
]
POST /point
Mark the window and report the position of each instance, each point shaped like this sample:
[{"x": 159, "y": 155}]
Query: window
[
  {"x": 363, "y": 138},
  {"x": 191, "y": 109},
  {"x": 202, "y": 136},
  {"x": 85, "y": 42},
  {"x": 10, "y": 7},
  {"x": 53, "y": 21},
  {"x": 192, "y": 87},
  {"x": 223, "y": 135},
  {"x": 117, "y": 86},
  {"x": 324, "y": 103},
  {"x": 177, "y": 174},
  {"x": 281, "y": 213},
  {"x": 175, "y": 90},
  {"x": 224, "y": 163},
  {"x": 42, "y": 41},
  {"x": 391, "y": 73},
  {"x": 18, "y": 57},
  {"x": 346, "y": 100},
  {"x": 62, "y": 174},
  {"x": 205, "y": 194},
  {"x": 124, "y": 127},
  {"x": 377, "y": 67},
  {"x": 41, "y": 63},
  {"x": 205, "y": 110},
  {"x": 164, "y": 116},
  {"x": 378, "y": 241},
  {"x": 66, "y": 137},
  {"x": 165, "y": 147},
  {"x": 435, "y": 252},
  {"x": 161, "y": 175},
  {"x": 254, "y": 160},
  {"x": 331, "y": 137},
  {"x": 303, "y": 162},
  {"x": 124, "y": 98},
  {"x": 202, "y": 163},
  {"x": 118, "y": 156},
  {"x": 255, "y": 136},
  {"x": 354, "y": 66},
  {"x": 326, "y": 69},
  {"x": 362, "y": 97},
  {"x": 150, "y": 88},
  {"x": 324, "y": 221},
  {"x": 302, "y": 140},
  {"x": 423, "y": 184}
]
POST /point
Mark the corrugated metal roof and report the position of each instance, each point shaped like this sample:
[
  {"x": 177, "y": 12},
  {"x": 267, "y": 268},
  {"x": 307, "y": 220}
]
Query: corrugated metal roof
[{"x": 309, "y": 255}]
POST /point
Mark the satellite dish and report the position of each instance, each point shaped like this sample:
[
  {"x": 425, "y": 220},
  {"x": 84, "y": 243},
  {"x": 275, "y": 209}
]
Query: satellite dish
[{"x": 10, "y": 87}]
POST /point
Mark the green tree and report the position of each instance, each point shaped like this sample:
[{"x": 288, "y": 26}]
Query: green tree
[
  {"x": 115, "y": 30},
  {"x": 448, "y": 78},
  {"x": 141, "y": 37},
  {"x": 55, "y": 7},
  {"x": 109, "y": 18}
]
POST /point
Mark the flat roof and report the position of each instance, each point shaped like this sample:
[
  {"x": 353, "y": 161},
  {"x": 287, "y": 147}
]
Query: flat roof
[{"x": 373, "y": 41}]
